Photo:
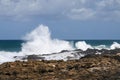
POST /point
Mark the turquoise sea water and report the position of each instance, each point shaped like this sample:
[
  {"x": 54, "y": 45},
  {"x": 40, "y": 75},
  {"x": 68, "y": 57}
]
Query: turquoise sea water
[
  {"x": 15, "y": 45},
  {"x": 10, "y": 45}
]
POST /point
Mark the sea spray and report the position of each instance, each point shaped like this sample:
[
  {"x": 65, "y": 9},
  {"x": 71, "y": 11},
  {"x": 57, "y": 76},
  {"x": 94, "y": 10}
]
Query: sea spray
[
  {"x": 39, "y": 41},
  {"x": 83, "y": 45},
  {"x": 115, "y": 45}
]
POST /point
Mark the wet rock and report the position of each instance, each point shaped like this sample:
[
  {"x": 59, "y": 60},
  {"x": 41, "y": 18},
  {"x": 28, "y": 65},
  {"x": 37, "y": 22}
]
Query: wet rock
[
  {"x": 64, "y": 51},
  {"x": 34, "y": 57}
]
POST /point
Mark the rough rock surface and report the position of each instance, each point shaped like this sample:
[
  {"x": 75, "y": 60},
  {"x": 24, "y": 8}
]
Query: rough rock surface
[
  {"x": 90, "y": 67},
  {"x": 67, "y": 54}
]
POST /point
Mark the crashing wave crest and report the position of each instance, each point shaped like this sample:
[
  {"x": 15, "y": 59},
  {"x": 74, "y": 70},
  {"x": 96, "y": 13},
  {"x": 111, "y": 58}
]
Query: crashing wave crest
[{"x": 39, "y": 42}]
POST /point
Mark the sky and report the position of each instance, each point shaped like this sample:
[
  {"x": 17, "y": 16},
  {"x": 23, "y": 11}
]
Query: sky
[{"x": 66, "y": 19}]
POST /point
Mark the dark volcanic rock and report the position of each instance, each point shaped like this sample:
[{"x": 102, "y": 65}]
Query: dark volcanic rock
[
  {"x": 64, "y": 51},
  {"x": 92, "y": 67},
  {"x": 70, "y": 54},
  {"x": 102, "y": 51},
  {"x": 34, "y": 57}
]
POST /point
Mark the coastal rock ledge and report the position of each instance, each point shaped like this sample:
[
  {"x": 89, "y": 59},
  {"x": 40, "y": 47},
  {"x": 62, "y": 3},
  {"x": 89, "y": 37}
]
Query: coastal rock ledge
[{"x": 90, "y": 67}]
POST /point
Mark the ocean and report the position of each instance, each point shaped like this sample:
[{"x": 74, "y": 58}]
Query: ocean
[
  {"x": 39, "y": 42},
  {"x": 15, "y": 45}
]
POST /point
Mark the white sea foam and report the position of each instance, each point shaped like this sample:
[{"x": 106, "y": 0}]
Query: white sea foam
[
  {"x": 100, "y": 47},
  {"x": 64, "y": 56},
  {"x": 39, "y": 42},
  {"x": 7, "y": 56},
  {"x": 115, "y": 45},
  {"x": 83, "y": 45}
]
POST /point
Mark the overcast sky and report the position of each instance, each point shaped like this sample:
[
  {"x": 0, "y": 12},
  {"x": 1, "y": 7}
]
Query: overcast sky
[{"x": 67, "y": 19}]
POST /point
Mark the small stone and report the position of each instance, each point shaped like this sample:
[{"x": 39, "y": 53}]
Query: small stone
[{"x": 118, "y": 54}]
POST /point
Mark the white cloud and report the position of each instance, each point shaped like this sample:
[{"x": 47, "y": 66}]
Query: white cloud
[
  {"x": 71, "y": 9},
  {"x": 81, "y": 14}
]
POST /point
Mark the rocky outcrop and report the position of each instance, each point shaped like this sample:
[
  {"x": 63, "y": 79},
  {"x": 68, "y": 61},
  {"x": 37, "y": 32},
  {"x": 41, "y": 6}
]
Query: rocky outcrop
[
  {"x": 67, "y": 54},
  {"x": 90, "y": 67}
]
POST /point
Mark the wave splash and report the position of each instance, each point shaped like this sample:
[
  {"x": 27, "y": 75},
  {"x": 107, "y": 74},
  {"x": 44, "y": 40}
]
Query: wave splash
[
  {"x": 39, "y": 42},
  {"x": 84, "y": 46}
]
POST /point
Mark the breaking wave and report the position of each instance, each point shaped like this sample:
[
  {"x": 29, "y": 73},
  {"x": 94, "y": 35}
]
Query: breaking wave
[
  {"x": 84, "y": 46},
  {"x": 39, "y": 42}
]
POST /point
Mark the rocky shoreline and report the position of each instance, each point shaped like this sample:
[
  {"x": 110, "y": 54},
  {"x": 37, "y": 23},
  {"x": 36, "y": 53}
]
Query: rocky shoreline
[
  {"x": 67, "y": 54},
  {"x": 90, "y": 67}
]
